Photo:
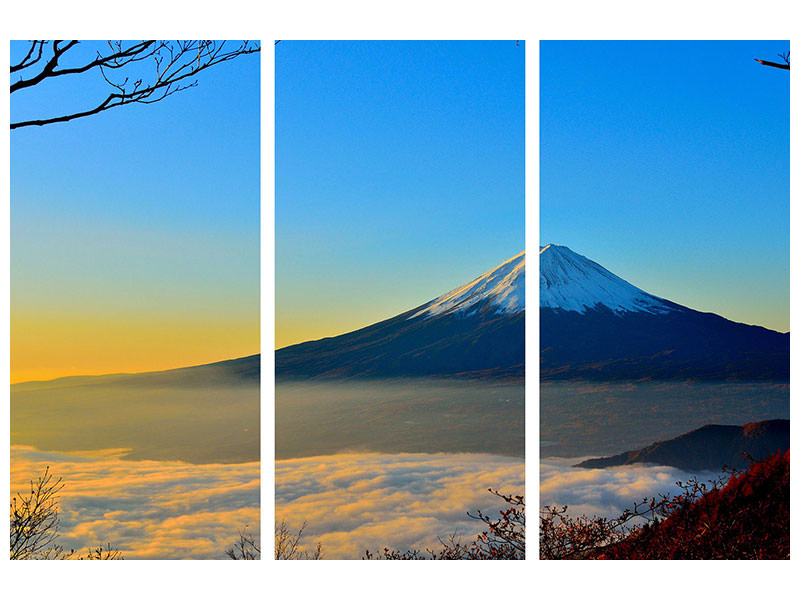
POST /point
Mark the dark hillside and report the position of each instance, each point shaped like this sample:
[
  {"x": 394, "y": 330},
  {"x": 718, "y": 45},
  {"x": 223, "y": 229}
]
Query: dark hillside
[
  {"x": 708, "y": 448},
  {"x": 746, "y": 519}
]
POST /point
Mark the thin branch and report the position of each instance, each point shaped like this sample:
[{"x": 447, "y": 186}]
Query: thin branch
[
  {"x": 174, "y": 64},
  {"x": 34, "y": 520},
  {"x": 36, "y": 45},
  {"x": 114, "y": 60},
  {"x": 784, "y": 65},
  {"x": 47, "y": 70}
]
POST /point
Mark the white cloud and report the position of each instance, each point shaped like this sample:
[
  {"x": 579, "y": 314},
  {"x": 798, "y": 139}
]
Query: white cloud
[
  {"x": 355, "y": 502},
  {"x": 608, "y": 491},
  {"x": 147, "y": 509}
]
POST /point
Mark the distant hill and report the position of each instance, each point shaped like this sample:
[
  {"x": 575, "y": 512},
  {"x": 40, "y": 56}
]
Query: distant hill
[
  {"x": 245, "y": 370},
  {"x": 708, "y": 448}
]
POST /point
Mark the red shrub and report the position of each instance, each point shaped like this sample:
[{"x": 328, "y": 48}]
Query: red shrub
[{"x": 746, "y": 518}]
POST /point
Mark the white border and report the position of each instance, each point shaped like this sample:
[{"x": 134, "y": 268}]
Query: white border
[
  {"x": 267, "y": 295},
  {"x": 414, "y": 19}
]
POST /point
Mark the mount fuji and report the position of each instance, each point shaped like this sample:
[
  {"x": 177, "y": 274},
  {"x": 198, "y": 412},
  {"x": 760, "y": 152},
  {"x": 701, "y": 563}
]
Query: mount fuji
[
  {"x": 475, "y": 330},
  {"x": 595, "y": 325}
]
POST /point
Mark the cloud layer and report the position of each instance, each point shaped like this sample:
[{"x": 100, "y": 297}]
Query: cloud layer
[
  {"x": 355, "y": 502},
  {"x": 609, "y": 491},
  {"x": 147, "y": 509}
]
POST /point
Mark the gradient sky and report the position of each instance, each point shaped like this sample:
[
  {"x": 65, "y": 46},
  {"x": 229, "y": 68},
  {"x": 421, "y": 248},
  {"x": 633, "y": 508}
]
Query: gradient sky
[
  {"x": 399, "y": 176},
  {"x": 135, "y": 232},
  {"x": 668, "y": 163}
]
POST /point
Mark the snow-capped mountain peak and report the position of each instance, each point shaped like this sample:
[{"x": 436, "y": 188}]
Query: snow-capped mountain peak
[
  {"x": 571, "y": 282},
  {"x": 502, "y": 290}
]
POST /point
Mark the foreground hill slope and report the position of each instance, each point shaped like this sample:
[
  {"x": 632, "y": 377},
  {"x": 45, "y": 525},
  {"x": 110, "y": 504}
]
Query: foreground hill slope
[
  {"x": 743, "y": 517},
  {"x": 748, "y": 518}
]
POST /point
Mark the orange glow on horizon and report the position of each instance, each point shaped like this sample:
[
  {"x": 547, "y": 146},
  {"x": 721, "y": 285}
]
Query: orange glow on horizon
[{"x": 46, "y": 348}]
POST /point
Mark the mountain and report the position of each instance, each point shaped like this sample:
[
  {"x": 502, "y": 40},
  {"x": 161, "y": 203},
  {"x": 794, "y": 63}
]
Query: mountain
[
  {"x": 475, "y": 330},
  {"x": 595, "y": 325},
  {"x": 707, "y": 449},
  {"x": 237, "y": 371}
]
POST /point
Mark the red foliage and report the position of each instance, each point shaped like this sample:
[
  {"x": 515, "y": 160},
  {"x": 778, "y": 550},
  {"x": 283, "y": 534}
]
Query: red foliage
[
  {"x": 748, "y": 518},
  {"x": 503, "y": 540}
]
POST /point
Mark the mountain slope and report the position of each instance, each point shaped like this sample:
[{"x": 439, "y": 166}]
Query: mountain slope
[
  {"x": 708, "y": 448},
  {"x": 236, "y": 371},
  {"x": 477, "y": 329},
  {"x": 594, "y": 325},
  {"x": 571, "y": 282},
  {"x": 501, "y": 290},
  {"x": 747, "y": 518}
]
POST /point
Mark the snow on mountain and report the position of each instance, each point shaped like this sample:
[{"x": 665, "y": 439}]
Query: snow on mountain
[
  {"x": 476, "y": 330},
  {"x": 501, "y": 289},
  {"x": 571, "y": 282}
]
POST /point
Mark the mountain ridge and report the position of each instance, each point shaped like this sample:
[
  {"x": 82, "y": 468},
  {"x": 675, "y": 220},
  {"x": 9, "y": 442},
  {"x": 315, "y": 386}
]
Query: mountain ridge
[
  {"x": 707, "y": 448},
  {"x": 502, "y": 287},
  {"x": 474, "y": 330},
  {"x": 615, "y": 331},
  {"x": 245, "y": 369}
]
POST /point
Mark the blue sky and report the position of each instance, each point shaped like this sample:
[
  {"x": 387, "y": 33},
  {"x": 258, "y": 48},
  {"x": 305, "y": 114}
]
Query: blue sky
[
  {"x": 399, "y": 175},
  {"x": 135, "y": 232},
  {"x": 668, "y": 163}
]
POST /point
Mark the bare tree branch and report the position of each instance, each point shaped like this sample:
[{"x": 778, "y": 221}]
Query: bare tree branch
[
  {"x": 783, "y": 65},
  {"x": 246, "y": 548},
  {"x": 174, "y": 65},
  {"x": 287, "y": 542},
  {"x": 34, "y": 521},
  {"x": 36, "y": 46},
  {"x": 503, "y": 540}
]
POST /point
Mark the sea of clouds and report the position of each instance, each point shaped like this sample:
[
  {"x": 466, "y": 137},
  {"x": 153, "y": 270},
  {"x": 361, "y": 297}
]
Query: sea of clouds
[
  {"x": 609, "y": 491},
  {"x": 145, "y": 508},
  {"x": 368, "y": 501}
]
